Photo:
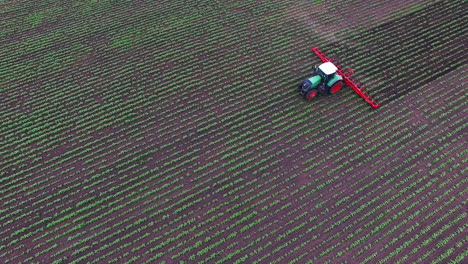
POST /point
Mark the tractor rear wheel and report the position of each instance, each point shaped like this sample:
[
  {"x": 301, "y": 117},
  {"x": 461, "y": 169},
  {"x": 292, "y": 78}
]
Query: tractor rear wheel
[
  {"x": 335, "y": 87},
  {"x": 311, "y": 94}
]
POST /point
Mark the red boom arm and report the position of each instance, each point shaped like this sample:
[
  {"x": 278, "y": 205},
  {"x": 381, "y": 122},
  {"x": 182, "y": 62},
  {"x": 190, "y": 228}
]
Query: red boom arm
[{"x": 350, "y": 82}]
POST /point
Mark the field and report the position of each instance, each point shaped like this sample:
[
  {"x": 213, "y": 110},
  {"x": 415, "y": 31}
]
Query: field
[{"x": 173, "y": 132}]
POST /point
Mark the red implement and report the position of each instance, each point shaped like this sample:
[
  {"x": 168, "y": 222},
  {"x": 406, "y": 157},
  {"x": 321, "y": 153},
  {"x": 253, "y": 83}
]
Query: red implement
[{"x": 347, "y": 79}]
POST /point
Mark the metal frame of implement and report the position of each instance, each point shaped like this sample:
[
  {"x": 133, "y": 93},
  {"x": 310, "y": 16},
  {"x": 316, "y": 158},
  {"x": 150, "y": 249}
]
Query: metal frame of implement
[{"x": 346, "y": 78}]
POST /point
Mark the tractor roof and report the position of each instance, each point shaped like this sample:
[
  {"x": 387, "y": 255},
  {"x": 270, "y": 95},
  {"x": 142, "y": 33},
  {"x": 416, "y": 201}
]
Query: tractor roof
[{"x": 328, "y": 68}]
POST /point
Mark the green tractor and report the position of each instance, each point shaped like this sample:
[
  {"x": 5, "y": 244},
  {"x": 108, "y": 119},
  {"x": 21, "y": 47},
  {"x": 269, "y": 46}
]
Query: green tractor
[{"x": 325, "y": 80}]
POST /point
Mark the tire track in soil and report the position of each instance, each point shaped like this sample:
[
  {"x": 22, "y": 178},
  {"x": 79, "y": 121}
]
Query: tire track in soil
[{"x": 426, "y": 59}]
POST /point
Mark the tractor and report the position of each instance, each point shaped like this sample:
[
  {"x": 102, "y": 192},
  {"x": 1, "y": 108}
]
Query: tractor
[
  {"x": 328, "y": 78},
  {"x": 324, "y": 80}
]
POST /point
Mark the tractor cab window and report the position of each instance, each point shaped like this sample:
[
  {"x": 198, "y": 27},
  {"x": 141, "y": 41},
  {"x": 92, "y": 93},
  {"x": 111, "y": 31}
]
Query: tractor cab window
[{"x": 325, "y": 77}]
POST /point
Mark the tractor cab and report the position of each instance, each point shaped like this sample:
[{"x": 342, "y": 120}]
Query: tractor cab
[{"x": 326, "y": 70}]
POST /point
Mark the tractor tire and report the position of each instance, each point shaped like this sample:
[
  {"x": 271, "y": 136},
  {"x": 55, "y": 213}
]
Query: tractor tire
[
  {"x": 311, "y": 94},
  {"x": 335, "y": 87}
]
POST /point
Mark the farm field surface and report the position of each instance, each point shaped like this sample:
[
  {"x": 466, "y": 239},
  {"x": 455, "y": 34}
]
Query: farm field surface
[{"x": 173, "y": 132}]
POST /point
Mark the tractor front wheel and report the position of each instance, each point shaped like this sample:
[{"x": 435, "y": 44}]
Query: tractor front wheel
[
  {"x": 335, "y": 87},
  {"x": 311, "y": 94}
]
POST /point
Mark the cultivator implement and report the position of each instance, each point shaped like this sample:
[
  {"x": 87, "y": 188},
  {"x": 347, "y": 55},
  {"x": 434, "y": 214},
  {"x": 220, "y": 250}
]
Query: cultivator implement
[{"x": 347, "y": 79}]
